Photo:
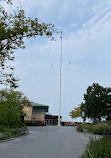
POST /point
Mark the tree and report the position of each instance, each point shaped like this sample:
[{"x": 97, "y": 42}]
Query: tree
[
  {"x": 13, "y": 29},
  {"x": 11, "y": 106},
  {"x": 97, "y": 102},
  {"x": 10, "y": 112},
  {"x": 8, "y": 1},
  {"x": 77, "y": 112}
]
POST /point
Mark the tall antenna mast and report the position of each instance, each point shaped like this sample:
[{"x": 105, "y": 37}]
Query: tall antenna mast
[{"x": 59, "y": 120}]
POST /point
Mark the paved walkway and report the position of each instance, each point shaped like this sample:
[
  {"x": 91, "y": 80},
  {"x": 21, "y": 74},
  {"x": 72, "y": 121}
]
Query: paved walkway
[{"x": 46, "y": 142}]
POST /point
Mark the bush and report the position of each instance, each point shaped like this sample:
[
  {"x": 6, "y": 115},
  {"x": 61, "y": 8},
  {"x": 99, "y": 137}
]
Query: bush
[
  {"x": 32, "y": 124},
  {"x": 3, "y": 128},
  {"x": 19, "y": 125},
  {"x": 79, "y": 128},
  {"x": 18, "y": 131},
  {"x": 5, "y": 135},
  {"x": 102, "y": 128},
  {"x": 1, "y": 135},
  {"x": 100, "y": 148},
  {"x": 99, "y": 128}
]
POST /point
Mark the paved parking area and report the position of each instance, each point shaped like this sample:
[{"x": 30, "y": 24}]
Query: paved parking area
[{"x": 46, "y": 142}]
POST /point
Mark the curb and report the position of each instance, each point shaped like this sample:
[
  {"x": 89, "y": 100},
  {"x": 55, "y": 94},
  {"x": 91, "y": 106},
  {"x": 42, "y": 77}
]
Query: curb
[
  {"x": 5, "y": 140},
  {"x": 24, "y": 133}
]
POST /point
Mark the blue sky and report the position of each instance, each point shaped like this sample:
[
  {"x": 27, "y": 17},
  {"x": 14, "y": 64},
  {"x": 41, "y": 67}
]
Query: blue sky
[{"x": 86, "y": 45}]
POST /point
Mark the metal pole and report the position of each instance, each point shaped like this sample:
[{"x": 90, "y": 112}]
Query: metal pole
[{"x": 60, "y": 82}]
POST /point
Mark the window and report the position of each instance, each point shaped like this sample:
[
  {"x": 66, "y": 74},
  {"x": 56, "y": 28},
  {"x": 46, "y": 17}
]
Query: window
[{"x": 39, "y": 110}]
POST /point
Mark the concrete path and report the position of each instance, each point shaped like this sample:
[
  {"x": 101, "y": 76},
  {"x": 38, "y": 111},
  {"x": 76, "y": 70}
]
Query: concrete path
[{"x": 46, "y": 142}]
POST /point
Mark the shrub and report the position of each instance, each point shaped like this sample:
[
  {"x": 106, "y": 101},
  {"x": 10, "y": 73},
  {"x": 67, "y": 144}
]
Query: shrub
[
  {"x": 1, "y": 135},
  {"x": 15, "y": 130},
  {"x": 32, "y": 124},
  {"x": 99, "y": 128},
  {"x": 19, "y": 125},
  {"x": 3, "y": 128},
  {"x": 18, "y": 131},
  {"x": 100, "y": 148},
  {"x": 5, "y": 135},
  {"x": 79, "y": 128}
]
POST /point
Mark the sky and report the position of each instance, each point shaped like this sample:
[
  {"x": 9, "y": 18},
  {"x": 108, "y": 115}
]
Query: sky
[{"x": 86, "y": 32}]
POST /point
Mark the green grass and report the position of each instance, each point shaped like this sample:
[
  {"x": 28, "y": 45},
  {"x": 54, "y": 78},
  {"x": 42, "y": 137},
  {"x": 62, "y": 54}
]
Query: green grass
[{"x": 100, "y": 148}]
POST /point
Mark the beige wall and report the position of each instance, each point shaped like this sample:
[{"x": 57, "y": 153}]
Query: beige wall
[
  {"x": 30, "y": 117},
  {"x": 28, "y": 111},
  {"x": 38, "y": 117}
]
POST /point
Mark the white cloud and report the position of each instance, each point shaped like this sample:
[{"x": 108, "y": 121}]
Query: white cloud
[{"x": 95, "y": 34}]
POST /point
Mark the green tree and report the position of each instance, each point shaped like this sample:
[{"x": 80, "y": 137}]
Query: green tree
[
  {"x": 77, "y": 112},
  {"x": 8, "y": 1},
  {"x": 97, "y": 102},
  {"x": 13, "y": 29},
  {"x": 11, "y": 106},
  {"x": 10, "y": 112}
]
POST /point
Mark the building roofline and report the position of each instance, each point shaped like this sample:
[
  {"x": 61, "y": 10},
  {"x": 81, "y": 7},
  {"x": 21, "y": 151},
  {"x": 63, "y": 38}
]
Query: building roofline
[{"x": 38, "y": 105}]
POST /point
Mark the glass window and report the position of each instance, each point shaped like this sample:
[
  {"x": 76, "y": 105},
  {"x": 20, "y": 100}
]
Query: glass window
[{"x": 40, "y": 110}]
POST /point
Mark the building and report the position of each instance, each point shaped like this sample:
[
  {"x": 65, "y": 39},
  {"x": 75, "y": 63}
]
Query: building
[
  {"x": 51, "y": 120},
  {"x": 39, "y": 113}
]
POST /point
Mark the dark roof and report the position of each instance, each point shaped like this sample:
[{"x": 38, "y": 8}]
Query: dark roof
[
  {"x": 52, "y": 116},
  {"x": 38, "y": 105}
]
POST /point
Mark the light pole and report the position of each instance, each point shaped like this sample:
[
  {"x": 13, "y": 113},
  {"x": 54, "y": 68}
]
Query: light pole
[{"x": 60, "y": 81}]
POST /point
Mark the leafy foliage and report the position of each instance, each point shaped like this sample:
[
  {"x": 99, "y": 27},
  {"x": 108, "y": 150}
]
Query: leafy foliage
[
  {"x": 11, "y": 106},
  {"x": 77, "y": 112},
  {"x": 13, "y": 29},
  {"x": 32, "y": 124},
  {"x": 100, "y": 148},
  {"x": 79, "y": 128},
  {"x": 3, "y": 128},
  {"x": 101, "y": 128},
  {"x": 5, "y": 135},
  {"x": 9, "y": 112},
  {"x": 97, "y": 102},
  {"x": 8, "y": 1}
]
